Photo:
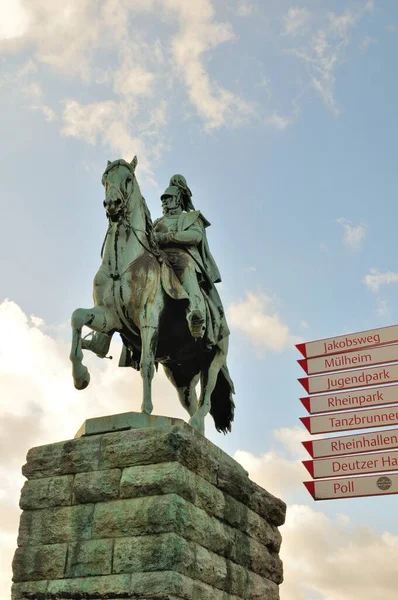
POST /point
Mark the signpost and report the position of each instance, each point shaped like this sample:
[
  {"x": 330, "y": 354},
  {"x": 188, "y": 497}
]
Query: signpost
[
  {"x": 352, "y": 341},
  {"x": 377, "y": 396},
  {"x": 352, "y": 444},
  {"x": 349, "y": 360},
  {"x": 350, "y": 379},
  {"x": 352, "y": 465},
  {"x": 356, "y": 419},
  {"x": 343, "y": 396},
  {"x": 353, "y": 487}
]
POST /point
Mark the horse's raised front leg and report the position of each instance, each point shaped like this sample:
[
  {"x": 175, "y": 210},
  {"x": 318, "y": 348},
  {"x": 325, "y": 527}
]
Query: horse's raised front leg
[
  {"x": 208, "y": 383},
  {"x": 98, "y": 319}
]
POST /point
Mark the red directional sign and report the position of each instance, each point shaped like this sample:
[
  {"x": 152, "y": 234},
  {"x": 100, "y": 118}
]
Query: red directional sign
[
  {"x": 349, "y": 360},
  {"x": 349, "y": 342},
  {"x": 352, "y": 444},
  {"x": 350, "y": 379},
  {"x": 352, "y": 465},
  {"x": 355, "y": 419},
  {"x": 377, "y": 396},
  {"x": 354, "y": 487}
]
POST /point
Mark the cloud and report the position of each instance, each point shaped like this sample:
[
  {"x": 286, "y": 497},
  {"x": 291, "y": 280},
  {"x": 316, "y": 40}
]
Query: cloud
[
  {"x": 14, "y": 20},
  {"x": 39, "y": 405},
  {"x": 374, "y": 280},
  {"x": 70, "y": 37},
  {"x": 256, "y": 318},
  {"x": 278, "y": 121},
  {"x": 244, "y": 8},
  {"x": 353, "y": 236},
  {"x": 383, "y": 309},
  {"x": 323, "y": 556},
  {"x": 366, "y": 43},
  {"x": 295, "y": 20},
  {"x": 325, "y": 52}
]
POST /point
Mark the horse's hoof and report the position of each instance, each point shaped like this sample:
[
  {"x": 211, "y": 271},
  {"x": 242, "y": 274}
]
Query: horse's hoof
[
  {"x": 81, "y": 384},
  {"x": 197, "y": 424}
]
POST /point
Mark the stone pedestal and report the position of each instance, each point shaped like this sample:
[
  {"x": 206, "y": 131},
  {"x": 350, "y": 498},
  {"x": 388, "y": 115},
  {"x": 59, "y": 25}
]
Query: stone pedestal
[{"x": 155, "y": 512}]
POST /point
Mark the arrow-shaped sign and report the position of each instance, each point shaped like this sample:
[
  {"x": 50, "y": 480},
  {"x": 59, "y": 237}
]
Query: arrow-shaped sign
[
  {"x": 349, "y": 342},
  {"x": 368, "y": 398},
  {"x": 349, "y": 360},
  {"x": 352, "y": 444},
  {"x": 352, "y": 465},
  {"x": 354, "y": 487},
  {"x": 350, "y": 379}
]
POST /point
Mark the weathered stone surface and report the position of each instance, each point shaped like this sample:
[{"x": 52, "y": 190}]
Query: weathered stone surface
[
  {"x": 167, "y": 478},
  {"x": 91, "y": 557},
  {"x": 47, "y": 492},
  {"x": 39, "y": 562},
  {"x": 19, "y": 590},
  {"x": 128, "y": 420},
  {"x": 261, "y": 589},
  {"x": 73, "y": 456},
  {"x": 55, "y": 525},
  {"x": 137, "y": 516},
  {"x": 155, "y": 511},
  {"x": 168, "y": 582},
  {"x": 199, "y": 455},
  {"x": 158, "y": 479},
  {"x": 96, "y": 486},
  {"x": 164, "y": 552},
  {"x": 109, "y": 584}
]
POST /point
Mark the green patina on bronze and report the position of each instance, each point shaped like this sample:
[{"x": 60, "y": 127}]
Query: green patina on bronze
[{"x": 156, "y": 287}]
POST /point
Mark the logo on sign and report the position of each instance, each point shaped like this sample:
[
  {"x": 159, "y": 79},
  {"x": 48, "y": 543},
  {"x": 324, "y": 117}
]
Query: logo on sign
[{"x": 384, "y": 483}]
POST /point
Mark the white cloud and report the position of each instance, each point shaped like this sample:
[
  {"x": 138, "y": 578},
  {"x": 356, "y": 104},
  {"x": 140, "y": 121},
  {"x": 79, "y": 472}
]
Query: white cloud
[
  {"x": 353, "y": 236},
  {"x": 257, "y": 319},
  {"x": 278, "y": 121},
  {"x": 325, "y": 52},
  {"x": 14, "y": 20},
  {"x": 48, "y": 113},
  {"x": 374, "y": 280},
  {"x": 366, "y": 42},
  {"x": 244, "y": 8},
  {"x": 295, "y": 20},
  {"x": 39, "y": 405},
  {"x": 383, "y": 309}
]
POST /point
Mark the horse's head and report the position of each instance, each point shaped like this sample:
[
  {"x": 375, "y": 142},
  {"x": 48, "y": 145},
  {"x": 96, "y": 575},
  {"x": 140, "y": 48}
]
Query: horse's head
[{"x": 118, "y": 181}]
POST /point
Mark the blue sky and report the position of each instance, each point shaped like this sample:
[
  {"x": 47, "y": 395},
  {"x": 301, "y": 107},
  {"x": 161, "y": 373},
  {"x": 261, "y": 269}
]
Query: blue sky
[{"x": 282, "y": 117}]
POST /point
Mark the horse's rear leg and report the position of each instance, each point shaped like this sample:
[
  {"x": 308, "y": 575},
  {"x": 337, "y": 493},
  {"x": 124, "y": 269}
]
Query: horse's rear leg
[
  {"x": 208, "y": 383},
  {"x": 96, "y": 318}
]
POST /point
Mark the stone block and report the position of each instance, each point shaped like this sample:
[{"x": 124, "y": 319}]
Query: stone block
[
  {"x": 137, "y": 516},
  {"x": 39, "y": 562},
  {"x": 162, "y": 552},
  {"x": 175, "y": 584},
  {"x": 109, "y": 584},
  {"x": 55, "y": 525},
  {"x": 123, "y": 421},
  {"x": 96, "y": 486},
  {"x": 47, "y": 492},
  {"x": 91, "y": 557},
  {"x": 19, "y": 591},
  {"x": 63, "y": 458},
  {"x": 158, "y": 479}
]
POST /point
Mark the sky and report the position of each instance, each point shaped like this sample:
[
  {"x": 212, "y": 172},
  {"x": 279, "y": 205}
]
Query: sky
[{"x": 282, "y": 117}]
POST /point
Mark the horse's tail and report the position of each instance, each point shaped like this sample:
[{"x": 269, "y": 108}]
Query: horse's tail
[{"x": 222, "y": 405}]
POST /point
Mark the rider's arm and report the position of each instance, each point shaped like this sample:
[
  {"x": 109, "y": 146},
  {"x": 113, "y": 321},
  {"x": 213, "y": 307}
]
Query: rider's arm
[{"x": 190, "y": 237}]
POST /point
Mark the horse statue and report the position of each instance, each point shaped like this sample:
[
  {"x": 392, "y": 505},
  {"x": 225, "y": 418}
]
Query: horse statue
[{"x": 138, "y": 294}]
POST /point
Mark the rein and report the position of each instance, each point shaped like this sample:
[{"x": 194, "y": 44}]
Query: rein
[{"x": 152, "y": 251}]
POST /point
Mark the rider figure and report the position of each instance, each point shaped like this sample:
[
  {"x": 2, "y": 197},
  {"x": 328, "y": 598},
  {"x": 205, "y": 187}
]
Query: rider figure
[{"x": 181, "y": 234}]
